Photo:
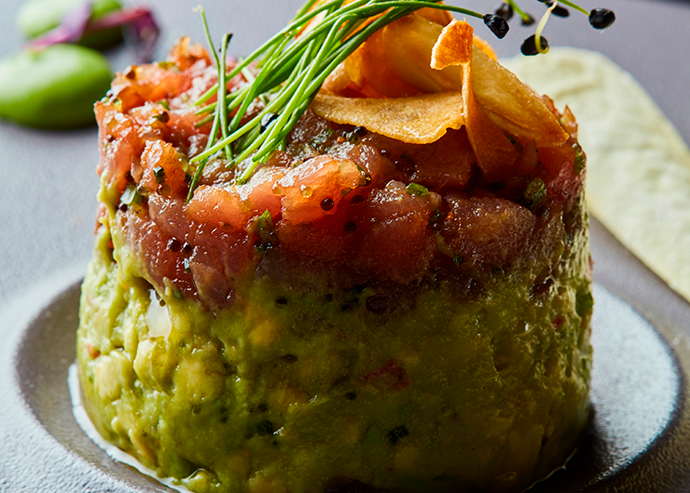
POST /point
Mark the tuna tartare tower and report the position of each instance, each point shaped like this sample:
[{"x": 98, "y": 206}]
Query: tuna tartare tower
[{"x": 397, "y": 298}]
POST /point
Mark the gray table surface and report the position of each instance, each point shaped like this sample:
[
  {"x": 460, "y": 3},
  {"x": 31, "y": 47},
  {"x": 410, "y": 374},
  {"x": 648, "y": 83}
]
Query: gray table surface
[{"x": 48, "y": 177}]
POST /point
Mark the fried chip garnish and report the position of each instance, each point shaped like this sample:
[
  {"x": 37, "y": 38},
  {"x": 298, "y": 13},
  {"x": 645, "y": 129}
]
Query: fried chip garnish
[
  {"x": 396, "y": 62},
  {"x": 419, "y": 119},
  {"x": 512, "y": 104},
  {"x": 495, "y": 153},
  {"x": 485, "y": 47}
]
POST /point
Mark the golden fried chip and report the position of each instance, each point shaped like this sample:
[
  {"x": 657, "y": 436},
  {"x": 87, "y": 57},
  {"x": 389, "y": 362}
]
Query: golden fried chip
[
  {"x": 416, "y": 120},
  {"x": 495, "y": 153},
  {"x": 396, "y": 62},
  {"x": 513, "y": 105},
  {"x": 485, "y": 47}
]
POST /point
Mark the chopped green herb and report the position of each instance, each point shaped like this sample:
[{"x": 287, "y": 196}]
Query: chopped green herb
[
  {"x": 417, "y": 189},
  {"x": 163, "y": 117},
  {"x": 535, "y": 192},
  {"x": 435, "y": 217},
  {"x": 130, "y": 195},
  {"x": 159, "y": 173}
]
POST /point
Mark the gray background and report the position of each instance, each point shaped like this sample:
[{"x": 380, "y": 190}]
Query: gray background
[{"x": 47, "y": 196}]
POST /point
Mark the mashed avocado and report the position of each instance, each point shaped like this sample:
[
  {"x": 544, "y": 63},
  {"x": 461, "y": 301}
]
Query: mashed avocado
[{"x": 299, "y": 387}]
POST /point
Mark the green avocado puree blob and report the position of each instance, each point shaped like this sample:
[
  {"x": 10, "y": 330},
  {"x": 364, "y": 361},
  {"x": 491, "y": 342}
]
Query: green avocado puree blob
[
  {"x": 287, "y": 391},
  {"x": 54, "y": 87}
]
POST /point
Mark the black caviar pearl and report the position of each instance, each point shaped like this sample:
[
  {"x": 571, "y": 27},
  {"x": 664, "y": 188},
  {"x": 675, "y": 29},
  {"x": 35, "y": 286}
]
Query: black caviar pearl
[
  {"x": 529, "y": 47},
  {"x": 187, "y": 248},
  {"x": 559, "y": 11},
  {"x": 122, "y": 208},
  {"x": 350, "y": 226},
  {"x": 601, "y": 18},
  {"x": 357, "y": 199},
  {"x": 266, "y": 120},
  {"x": 527, "y": 21},
  {"x": 505, "y": 11},
  {"x": 497, "y": 24},
  {"x": 327, "y": 204}
]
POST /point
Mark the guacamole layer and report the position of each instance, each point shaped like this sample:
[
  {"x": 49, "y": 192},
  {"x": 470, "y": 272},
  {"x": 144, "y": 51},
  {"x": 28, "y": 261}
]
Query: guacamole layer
[{"x": 303, "y": 387}]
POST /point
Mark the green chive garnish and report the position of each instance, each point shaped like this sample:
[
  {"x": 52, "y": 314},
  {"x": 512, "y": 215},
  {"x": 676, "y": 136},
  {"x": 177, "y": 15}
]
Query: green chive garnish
[{"x": 417, "y": 189}]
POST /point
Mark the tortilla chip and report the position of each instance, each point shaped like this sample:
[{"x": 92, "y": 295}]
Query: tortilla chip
[{"x": 416, "y": 120}]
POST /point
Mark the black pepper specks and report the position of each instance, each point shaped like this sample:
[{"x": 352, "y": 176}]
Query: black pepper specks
[
  {"x": 264, "y": 428},
  {"x": 350, "y": 396},
  {"x": 396, "y": 434},
  {"x": 281, "y": 301},
  {"x": 174, "y": 245},
  {"x": 266, "y": 121}
]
